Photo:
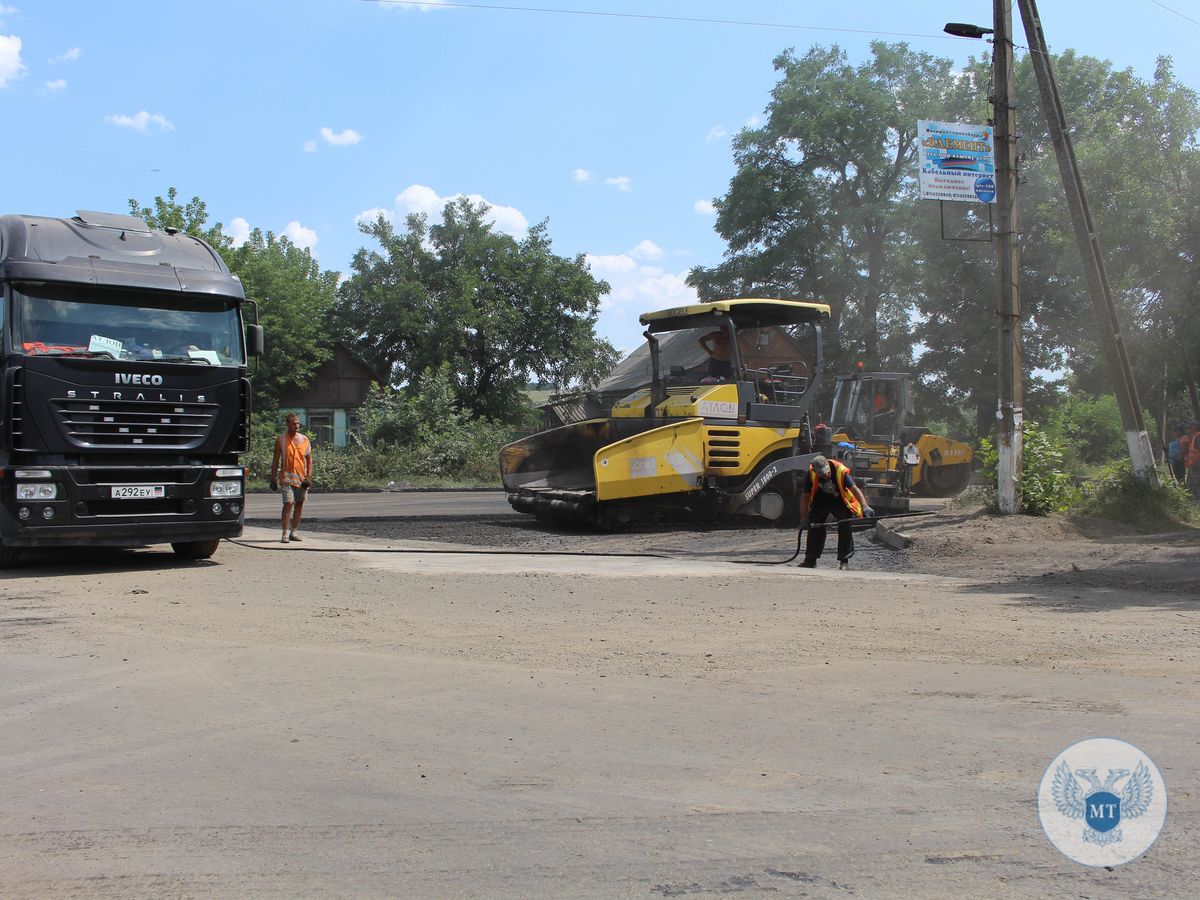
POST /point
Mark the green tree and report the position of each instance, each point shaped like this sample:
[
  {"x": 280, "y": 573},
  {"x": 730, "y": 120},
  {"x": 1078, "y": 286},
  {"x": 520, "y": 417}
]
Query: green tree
[
  {"x": 821, "y": 204},
  {"x": 1135, "y": 142},
  {"x": 497, "y": 311},
  {"x": 295, "y": 298},
  {"x": 189, "y": 218},
  {"x": 293, "y": 294}
]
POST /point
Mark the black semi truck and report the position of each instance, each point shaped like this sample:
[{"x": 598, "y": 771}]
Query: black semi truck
[{"x": 125, "y": 398}]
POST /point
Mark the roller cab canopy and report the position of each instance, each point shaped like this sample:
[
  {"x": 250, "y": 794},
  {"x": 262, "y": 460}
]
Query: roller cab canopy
[{"x": 745, "y": 313}]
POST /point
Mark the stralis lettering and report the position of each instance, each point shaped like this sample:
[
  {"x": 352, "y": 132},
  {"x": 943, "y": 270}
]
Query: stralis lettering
[
  {"x": 130, "y": 378},
  {"x": 157, "y": 397}
]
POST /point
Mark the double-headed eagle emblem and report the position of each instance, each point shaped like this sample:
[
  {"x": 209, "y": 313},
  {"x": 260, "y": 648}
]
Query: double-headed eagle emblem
[{"x": 1100, "y": 807}]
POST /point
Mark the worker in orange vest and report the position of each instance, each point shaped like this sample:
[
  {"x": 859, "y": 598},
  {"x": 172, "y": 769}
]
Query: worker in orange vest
[{"x": 829, "y": 489}]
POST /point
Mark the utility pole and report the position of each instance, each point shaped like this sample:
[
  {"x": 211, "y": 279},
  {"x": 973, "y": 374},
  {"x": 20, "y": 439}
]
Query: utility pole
[
  {"x": 1089, "y": 248},
  {"x": 1009, "y": 412}
]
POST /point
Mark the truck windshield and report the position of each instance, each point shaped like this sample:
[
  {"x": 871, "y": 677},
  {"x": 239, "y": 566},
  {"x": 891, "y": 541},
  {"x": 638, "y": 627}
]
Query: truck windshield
[{"x": 59, "y": 320}]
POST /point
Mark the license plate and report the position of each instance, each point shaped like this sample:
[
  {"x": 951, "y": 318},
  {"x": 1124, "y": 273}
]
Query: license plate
[{"x": 138, "y": 492}]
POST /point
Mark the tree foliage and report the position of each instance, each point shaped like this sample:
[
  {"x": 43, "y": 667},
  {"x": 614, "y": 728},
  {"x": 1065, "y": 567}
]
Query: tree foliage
[
  {"x": 294, "y": 299},
  {"x": 497, "y": 311},
  {"x": 190, "y": 218},
  {"x": 821, "y": 204},
  {"x": 1135, "y": 144},
  {"x": 293, "y": 294}
]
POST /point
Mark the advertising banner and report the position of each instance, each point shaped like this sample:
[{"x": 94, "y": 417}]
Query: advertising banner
[{"x": 956, "y": 161}]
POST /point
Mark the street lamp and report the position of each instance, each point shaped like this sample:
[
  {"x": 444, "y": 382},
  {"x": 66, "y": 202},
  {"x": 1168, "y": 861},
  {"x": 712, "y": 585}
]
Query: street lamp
[{"x": 960, "y": 29}]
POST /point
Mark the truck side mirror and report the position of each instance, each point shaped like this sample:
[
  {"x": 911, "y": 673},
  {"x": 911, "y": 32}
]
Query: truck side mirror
[{"x": 254, "y": 340}]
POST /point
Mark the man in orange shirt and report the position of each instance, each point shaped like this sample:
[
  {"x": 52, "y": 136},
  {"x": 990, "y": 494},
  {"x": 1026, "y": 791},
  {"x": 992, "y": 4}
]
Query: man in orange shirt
[{"x": 293, "y": 462}]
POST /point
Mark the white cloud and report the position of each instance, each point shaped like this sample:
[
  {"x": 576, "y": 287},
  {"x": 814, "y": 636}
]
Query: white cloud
[
  {"x": 347, "y": 138},
  {"x": 10, "y": 59},
  {"x": 370, "y": 215},
  {"x": 141, "y": 121},
  {"x": 299, "y": 235},
  {"x": 56, "y": 85},
  {"x": 581, "y": 175},
  {"x": 752, "y": 122},
  {"x": 605, "y": 265},
  {"x": 239, "y": 230},
  {"x": 417, "y": 198},
  {"x": 67, "y": 55},
  {"x": 704, "y": 207},
  {"x": 647, "y": 250},
  {"x": 715, "y": 133},
  {"x": 634, "y": 289},
  {"x": 622, "y": 183}
]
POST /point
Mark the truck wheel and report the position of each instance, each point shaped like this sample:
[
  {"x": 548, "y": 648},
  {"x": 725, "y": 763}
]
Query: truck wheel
[
  {"x": 9, "y": 557},
  {"x": 195, "y": 549},
  {"x": 944, "y": 481}
]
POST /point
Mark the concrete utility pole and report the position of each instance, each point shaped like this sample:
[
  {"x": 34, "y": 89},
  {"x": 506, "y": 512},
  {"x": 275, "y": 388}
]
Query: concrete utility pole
[
  {"x": 1089, "y": 247},
  {"x": 1009, "y": 412}
]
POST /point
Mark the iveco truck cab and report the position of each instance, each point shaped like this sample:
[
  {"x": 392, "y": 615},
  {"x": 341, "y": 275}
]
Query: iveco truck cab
[{"x": 125, "y": 394}]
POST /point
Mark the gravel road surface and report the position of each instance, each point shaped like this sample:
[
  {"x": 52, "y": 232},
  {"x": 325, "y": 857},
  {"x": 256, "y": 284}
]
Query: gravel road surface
[{"x": 362, "y": 715}]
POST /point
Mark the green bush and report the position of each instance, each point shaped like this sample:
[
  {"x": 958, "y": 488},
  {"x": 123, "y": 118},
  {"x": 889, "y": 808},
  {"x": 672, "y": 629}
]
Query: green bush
[
  {"x": 1089, "y": 429},
  {"x": 417, "y": 436},
  {"x": 1116, "y": 494},
  {"x": 1044, "y": 486}
]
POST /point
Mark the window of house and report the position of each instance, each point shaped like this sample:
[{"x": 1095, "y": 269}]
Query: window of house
[{"x": 320, "y": 426}]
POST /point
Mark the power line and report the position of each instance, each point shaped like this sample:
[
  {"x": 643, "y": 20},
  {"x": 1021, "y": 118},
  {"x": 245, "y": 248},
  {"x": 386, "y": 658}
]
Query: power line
[
  {"x": 436, "y": 4},
  {"x": 1175, "y": 11}
]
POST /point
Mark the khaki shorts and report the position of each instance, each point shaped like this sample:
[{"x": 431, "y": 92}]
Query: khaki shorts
[{"x": 292, "y": 494}]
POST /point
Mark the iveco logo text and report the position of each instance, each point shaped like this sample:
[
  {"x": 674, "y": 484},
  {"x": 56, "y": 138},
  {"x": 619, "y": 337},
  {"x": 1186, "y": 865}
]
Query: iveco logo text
[{"x": 128, "y": 378}]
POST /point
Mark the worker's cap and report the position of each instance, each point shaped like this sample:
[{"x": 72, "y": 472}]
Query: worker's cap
[{"x": 820, "y": 465}]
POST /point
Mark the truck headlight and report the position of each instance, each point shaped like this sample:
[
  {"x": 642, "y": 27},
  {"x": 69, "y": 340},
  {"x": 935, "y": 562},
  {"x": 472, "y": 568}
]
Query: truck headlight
[
  {"x": 42, "y": 491},
  {"x": 225, "y": 489}
]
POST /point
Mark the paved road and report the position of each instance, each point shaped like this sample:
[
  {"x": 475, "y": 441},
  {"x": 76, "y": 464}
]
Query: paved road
[{"x": 323, "y": 507}]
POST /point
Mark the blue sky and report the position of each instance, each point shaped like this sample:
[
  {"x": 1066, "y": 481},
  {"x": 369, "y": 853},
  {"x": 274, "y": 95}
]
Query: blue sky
[{"x": 299, "y": 116}]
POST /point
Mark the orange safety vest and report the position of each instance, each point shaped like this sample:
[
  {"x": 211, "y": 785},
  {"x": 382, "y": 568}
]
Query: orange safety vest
[
  {"x": 1192, "y": 446},
  {"x": 294, "y": 468},
  {"x": 839, "y": 478}
]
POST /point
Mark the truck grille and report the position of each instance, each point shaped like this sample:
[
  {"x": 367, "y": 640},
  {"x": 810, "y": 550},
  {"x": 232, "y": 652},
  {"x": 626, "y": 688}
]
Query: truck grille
[{"x": 118, "y": 423}]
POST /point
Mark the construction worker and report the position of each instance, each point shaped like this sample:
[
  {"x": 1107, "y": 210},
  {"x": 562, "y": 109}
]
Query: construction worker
[
  {"x": 829, "y": 488},
  {"x": 720, "y": 354},
  {"x": 1191, "y": 458}
]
